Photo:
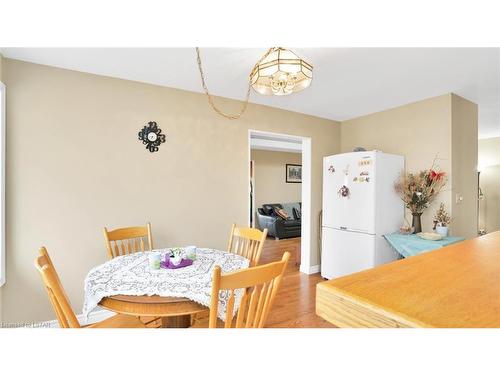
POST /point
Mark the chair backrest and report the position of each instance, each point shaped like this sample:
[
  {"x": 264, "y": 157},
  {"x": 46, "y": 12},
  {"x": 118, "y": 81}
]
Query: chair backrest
[
  {"x": 260, "y": 285},
  {"x": 57, "y": 296},
  {"x": 247, "y": 242},
  {"x": 129, "y": 240}
]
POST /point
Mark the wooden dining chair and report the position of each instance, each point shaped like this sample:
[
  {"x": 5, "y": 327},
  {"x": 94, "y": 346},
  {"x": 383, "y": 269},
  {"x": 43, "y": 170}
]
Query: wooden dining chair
[
  {"x": 247, "y": 242},
  {"x": 64, "y": 313},
  {"x": 260, "y": 285},
  {"x": 129, "y": 240},
  {"x": 123, "y": 241}
]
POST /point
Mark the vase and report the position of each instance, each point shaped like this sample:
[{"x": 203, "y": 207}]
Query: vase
[
  {"x": 417, "y": 222},
  {"x": 443, "y": 231}
]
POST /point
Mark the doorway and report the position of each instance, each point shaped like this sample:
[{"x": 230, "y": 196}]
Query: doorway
[
  {"x": 267, "y": 141},
  {"x": 488, "y": 185}
]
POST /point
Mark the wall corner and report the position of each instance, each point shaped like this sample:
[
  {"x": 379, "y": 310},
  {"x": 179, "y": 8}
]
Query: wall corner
[{"x": 464, "y": 135}]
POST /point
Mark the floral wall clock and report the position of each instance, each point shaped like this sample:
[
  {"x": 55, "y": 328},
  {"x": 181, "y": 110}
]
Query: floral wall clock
[{"x": 151, "y": 136}]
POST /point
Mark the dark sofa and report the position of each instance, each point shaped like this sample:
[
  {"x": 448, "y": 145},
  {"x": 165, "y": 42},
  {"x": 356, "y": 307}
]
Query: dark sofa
[{"x": 277, "y": 226}]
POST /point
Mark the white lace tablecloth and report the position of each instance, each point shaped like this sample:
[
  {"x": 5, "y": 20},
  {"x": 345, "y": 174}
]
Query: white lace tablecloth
[{"x": 131, "y": 275}]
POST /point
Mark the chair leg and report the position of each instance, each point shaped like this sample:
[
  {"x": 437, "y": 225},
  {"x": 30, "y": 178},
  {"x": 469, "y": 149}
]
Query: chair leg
[{"x": 149, "y": 319}]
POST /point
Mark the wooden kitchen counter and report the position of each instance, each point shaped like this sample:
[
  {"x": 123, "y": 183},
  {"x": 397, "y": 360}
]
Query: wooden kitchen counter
[{"x": 456, "y": 286}]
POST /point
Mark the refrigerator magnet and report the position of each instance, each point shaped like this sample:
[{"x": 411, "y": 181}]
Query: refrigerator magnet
[
  {"x": 344, "y": 191},
  {"x": 346, "y": 170}
]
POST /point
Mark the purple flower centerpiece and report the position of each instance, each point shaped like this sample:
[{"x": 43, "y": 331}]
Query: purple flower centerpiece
[{"x": 175, "y": 260}]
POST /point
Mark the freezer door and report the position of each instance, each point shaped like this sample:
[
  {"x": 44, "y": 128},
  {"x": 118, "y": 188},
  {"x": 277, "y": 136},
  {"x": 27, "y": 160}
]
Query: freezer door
[
  {"x": 354, "y": 211},
  {"x": 345, "y": 252}
]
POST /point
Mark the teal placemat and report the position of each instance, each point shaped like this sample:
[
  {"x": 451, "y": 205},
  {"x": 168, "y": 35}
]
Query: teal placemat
[{"x": 410, "y": 244}]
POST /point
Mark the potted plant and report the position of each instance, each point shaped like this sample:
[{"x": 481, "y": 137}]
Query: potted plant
[
  {"x": 418, "y": 190},
  {"x": 442, "y": 219}
]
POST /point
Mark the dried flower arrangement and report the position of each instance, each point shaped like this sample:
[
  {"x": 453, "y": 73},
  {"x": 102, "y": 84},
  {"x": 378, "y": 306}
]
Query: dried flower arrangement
[
  {"x": 418, "y": 190},
  {"x": 442, "y": 218}
]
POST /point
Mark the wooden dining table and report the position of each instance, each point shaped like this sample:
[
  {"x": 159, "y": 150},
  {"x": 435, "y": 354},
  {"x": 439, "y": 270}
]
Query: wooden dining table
[
  {"x": 129, "y": 285},
  {"x": 456, "y": 286},
  {"x": 175, "y": 312}
]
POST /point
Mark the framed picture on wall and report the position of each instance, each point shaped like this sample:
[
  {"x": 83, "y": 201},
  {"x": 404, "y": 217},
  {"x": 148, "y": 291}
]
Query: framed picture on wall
[{"x": 293, "y": 173}]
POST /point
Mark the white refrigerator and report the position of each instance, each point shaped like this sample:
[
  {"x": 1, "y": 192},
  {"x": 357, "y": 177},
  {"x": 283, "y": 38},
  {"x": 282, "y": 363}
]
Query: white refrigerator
[{"x": 359, "y": 207}]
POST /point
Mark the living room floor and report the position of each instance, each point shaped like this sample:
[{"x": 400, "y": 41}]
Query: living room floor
[{"x": 294, "y": 306}]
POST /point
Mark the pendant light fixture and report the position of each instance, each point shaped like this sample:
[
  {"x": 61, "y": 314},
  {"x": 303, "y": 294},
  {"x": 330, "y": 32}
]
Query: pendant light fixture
[
  {"x": 281, "y": 72},
  {"x": 278, "y": 72}
]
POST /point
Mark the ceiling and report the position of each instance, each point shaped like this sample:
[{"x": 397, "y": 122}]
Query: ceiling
[{"x": 348, "y": 82}]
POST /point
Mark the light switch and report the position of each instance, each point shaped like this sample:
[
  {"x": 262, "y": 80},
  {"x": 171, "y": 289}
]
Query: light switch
[{"x": 458, "y": 198}]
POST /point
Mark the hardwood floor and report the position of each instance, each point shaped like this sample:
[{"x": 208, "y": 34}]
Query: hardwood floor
[{"x": 294, "y": 306}]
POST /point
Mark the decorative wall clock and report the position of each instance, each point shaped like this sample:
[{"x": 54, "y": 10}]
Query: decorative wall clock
[{"x": 151, "y": 136}]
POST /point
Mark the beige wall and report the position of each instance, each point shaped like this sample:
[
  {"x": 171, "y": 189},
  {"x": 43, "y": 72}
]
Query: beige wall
[
  {"x": 1, "y": 80},
  {"x": 1, "y": 66},
  {"x": 464, "y": 166},
  {"x": 74, "y": 165},
  {"x": 488, "y": 152},
  {"x": 489, "y": 163},
  {"x": 270, "y": 183},
  {"x": 445, "y": 126},
  {"x": 418, "y": 131}
]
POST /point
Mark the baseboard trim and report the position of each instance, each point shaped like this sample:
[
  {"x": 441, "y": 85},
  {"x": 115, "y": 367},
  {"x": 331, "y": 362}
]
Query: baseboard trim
[
  {"x": 314, "y": 269},
  {"x": 95, "y": 316},
  {"x": 310, "y": 270}
]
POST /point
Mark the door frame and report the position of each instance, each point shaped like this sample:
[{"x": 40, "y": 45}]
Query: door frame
[
  {"x": 306, "y": 235},
  {"x": 252, "y": 189}
]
